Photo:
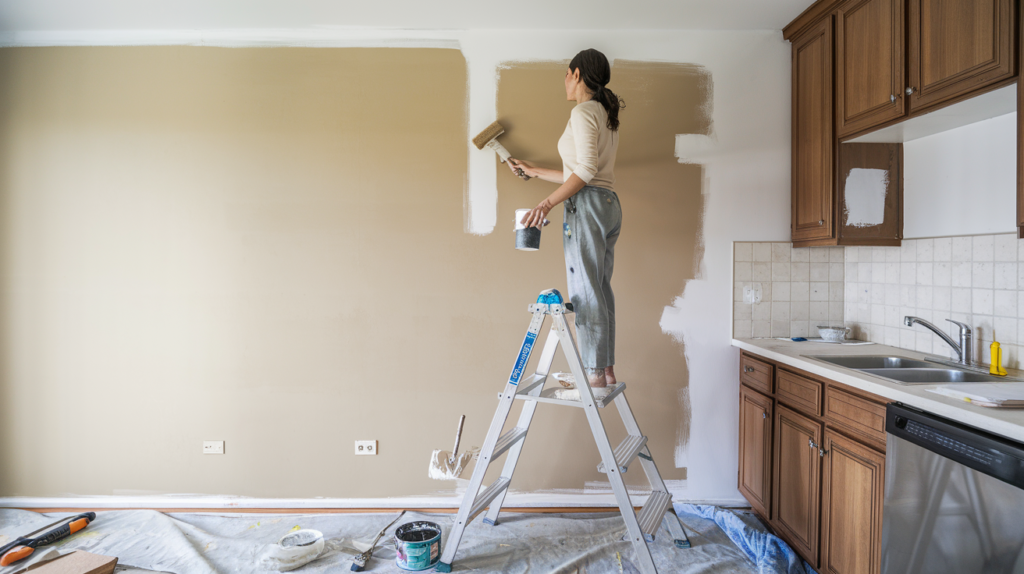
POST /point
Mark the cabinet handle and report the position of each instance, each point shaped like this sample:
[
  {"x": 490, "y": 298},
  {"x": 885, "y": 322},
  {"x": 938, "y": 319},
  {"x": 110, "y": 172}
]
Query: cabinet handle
[
  {"x": 764, "y": 415},
  {"x": 810, "y": 443},
  {"x": 892, "y": 98},
  {"x": 910, "y": 91},
  {"x": 821, "y": 222},
  {"x": 822, "y": 452},
  {"x": 748, "y": 369}
]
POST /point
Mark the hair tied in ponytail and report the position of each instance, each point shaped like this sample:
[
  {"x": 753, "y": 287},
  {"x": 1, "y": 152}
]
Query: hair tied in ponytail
[{"x": 595, "y": 72}]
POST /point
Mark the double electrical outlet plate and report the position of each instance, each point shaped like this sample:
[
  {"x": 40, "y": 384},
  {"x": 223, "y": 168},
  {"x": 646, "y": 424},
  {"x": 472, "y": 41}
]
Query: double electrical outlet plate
[{"x": 363, "y": 447}]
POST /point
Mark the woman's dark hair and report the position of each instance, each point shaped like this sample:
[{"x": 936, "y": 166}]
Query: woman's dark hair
[{"x": 595, "y": 72}]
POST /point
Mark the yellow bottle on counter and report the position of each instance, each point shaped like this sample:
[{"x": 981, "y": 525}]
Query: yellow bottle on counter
[{"x": 997, "y": 361}]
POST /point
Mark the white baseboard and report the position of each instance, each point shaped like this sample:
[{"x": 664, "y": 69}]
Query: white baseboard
[{"x": 221, "y": 503}]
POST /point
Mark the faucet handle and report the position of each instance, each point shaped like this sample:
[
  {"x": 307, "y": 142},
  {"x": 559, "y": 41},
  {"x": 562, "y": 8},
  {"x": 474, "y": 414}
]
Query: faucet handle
[{"x": 964, "y": 328}]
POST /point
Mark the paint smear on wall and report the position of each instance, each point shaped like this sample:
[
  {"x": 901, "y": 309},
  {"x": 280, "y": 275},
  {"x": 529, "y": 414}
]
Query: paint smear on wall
[
  {"x": 865, "y": 197},
  {"x": 659, "y": 249}
]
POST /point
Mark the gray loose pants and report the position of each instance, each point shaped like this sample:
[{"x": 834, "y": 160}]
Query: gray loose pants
[{"x": 592, "y": 220}]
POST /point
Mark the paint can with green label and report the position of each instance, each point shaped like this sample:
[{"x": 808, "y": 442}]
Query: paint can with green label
[{"x": 418, "y": 545}]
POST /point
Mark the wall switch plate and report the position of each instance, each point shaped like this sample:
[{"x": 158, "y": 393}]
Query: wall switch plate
[
  {"x": 366, "y": 447},
  {"x": 752, "y": 293},
  {"x": 213, "y": 447}
]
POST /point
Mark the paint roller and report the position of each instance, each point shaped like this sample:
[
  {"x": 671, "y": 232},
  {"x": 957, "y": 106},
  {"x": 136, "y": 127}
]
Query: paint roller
[
  {"x": 448, "y": 466},
  {"x": 489, "y": 138}
]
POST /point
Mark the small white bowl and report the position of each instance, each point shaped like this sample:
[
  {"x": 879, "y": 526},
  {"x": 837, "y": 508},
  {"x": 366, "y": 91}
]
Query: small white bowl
[{"x": 833, "y": 334}]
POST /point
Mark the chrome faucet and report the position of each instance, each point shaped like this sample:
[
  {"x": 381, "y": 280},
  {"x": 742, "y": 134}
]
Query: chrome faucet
[{"x": 963, "y": 350}]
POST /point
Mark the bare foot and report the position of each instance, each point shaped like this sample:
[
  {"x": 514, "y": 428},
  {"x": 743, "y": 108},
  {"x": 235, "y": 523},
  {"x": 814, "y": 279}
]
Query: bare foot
[
  {"x": 596, "y": 378},
  {"x": 609, "y": 375}
]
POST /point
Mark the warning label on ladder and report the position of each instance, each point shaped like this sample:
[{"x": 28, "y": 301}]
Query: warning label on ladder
[{"x": 524, "y": 357}]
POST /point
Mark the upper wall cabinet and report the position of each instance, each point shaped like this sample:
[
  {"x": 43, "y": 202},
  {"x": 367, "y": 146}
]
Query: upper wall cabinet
[
  {"x": 890, "y": 60},
  {"x": 813, "y": 140},
  {"x": 869, "y": 64},
  {"x": 957, "y": 47}
]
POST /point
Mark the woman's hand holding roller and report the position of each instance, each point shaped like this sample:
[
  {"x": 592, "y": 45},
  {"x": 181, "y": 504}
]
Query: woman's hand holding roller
[{"x": 518, "y": 166}]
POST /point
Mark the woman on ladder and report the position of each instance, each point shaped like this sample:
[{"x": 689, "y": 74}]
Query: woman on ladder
[{"x": 592, "y": 212}]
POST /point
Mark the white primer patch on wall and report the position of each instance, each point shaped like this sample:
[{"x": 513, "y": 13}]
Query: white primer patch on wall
[{"x": 865, "y": 197}]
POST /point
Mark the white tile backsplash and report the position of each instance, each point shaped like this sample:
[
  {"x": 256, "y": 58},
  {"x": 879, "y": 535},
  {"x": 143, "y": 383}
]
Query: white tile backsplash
[
  {"x": 801, "y": 288},
  {"x": 978, "y": 280}
]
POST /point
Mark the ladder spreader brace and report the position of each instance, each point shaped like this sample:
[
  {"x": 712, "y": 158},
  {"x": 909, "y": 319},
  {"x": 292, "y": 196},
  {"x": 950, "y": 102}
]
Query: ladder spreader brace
[{"x": 640, "y": 526}]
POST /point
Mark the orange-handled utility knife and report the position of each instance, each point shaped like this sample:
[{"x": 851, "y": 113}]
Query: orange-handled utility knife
[{"x": 24, "y": 546}]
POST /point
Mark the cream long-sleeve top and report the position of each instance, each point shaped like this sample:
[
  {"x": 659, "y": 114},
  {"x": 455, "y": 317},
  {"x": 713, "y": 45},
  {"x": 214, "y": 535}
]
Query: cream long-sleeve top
[{"x": 588, "y": 146}]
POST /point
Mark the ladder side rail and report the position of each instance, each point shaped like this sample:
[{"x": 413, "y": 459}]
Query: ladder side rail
[
  {"x": 547, "y": 357},
  {"x": 497, "y": 424},
  {"x": 675, "y": 528},
  {"x": 604, "y": 446}
]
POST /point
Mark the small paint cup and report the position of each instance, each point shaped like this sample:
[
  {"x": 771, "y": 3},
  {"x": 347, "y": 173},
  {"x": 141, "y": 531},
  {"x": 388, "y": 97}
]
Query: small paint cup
[
  {"x": 527, "y": 238},
  {"x": 417, "y": 545}
]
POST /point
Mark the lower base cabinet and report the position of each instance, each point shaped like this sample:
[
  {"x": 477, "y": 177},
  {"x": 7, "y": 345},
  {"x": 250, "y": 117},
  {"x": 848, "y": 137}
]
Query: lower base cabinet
[
  {"x": 756, "y": 443},
  {"x": 815, "y": 474},
  {"x": 797, "y": 480},
  {"x": 851, "y": 508}
]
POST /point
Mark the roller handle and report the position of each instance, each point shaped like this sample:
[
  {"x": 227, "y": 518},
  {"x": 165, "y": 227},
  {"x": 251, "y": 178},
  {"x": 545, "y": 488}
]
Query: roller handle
[{"x": 458, "y": 438}]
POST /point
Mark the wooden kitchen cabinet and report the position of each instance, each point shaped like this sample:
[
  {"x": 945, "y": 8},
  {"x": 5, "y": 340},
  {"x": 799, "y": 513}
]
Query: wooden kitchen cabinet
[
  {"x": 959, "y": 47},
  {"x": 755, "y": 449},
  {"x": 813, "y": 138},
  {"x": 812, "y": 464},
  {"x": 869, "y": 64},
  {"x": 851, "y": 511},
  {"x": 797, "y": 481}
]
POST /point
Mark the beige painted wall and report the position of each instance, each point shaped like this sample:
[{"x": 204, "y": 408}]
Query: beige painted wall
[{"x": 266, "y": 246}]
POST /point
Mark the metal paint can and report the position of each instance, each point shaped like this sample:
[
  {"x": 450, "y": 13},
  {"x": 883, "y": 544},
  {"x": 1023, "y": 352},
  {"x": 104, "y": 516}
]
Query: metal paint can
[
  {"x": 417, "y": 545},
  {"x": 527, "y": 238}
]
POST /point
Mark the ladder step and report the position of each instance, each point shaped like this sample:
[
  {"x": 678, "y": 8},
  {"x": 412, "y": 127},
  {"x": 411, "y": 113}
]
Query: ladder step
[
  {"x": 506, "y": 441},
  {"x": 626, "y": 452},
  {"x": 484, "y": 498},
  {"x": 652, "y": 513},
  {"x": 548, "y": 396}
]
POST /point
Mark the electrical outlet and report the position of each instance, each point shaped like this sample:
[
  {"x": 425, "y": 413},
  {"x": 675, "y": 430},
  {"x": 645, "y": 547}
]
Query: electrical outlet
[
  {"x": 213, "y": 447},
  {"x": 367, "y": 447}
]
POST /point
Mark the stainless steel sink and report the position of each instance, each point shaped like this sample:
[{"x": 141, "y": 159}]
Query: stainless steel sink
[
  {"x": 908, "y": 371},
  {"x": 875, "y": 362},
  {"x": 932, "y": 376}
]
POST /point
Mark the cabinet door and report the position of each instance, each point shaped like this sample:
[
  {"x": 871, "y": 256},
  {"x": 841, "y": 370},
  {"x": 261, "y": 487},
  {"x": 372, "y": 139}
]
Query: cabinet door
[
  {"x": 797, "y": 481},
  {"x": 851, "y": 511},
  {"x": 869, "y": 64},
  {"x": 813, "y": 141},
  {"x": 755, "y": 449},
  {"x": 1020, "y": 146},
  {"x": 957, "y": 47}
]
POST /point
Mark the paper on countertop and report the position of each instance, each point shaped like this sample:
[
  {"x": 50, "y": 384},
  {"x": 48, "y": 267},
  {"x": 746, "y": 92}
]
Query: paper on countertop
[{"x": 1007, "y": 395}]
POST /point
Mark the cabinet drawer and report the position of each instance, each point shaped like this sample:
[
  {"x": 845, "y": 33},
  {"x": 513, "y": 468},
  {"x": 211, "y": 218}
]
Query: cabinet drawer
[
  {"x": 756, "y": 374},
  {"x": 799, "y": 392},
  {"x": 856, "y": 414}
]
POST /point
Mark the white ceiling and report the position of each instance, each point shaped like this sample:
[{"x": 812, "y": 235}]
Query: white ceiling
[{"x": 53, "y": 15}]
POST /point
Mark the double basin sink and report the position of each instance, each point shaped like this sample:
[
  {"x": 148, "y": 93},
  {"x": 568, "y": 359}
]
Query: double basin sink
[{"x": 908, "y": 371}]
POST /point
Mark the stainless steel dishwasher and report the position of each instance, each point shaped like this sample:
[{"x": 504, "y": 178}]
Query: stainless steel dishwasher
[{"x": 954, "y": 497}]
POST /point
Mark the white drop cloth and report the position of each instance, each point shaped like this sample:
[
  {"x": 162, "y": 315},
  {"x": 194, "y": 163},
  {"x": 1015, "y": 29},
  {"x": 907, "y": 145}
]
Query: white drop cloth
[{"x": 221, "y": 543}]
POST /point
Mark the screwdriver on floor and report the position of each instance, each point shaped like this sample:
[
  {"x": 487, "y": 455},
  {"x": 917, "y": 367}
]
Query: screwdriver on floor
[{"x": 24, "y": 546}]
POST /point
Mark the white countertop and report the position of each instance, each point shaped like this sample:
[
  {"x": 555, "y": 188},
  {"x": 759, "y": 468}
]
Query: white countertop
[{"x": 1006, "y": 422}]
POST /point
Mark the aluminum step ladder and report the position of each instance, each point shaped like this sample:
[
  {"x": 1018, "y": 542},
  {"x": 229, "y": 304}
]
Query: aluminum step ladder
[{"x": 640, "y": 526}]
